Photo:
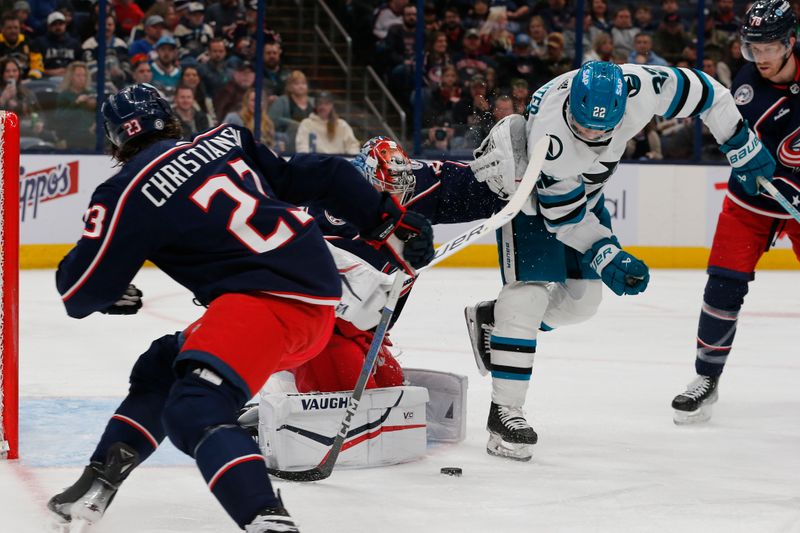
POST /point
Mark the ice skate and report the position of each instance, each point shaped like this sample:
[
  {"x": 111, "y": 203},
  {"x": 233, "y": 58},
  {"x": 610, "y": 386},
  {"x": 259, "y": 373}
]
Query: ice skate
[
  {"x": 273, "y": 520},
  {"x": 480, "y": 322},
  {"x": 85, "y": 502},
  {"x": 693, "y": 406},
  {"x": 510, "y": 435}
]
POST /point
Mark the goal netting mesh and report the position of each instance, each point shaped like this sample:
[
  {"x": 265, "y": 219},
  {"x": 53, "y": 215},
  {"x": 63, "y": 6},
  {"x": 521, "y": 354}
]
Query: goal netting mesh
[{"x": 9, "y": 276}]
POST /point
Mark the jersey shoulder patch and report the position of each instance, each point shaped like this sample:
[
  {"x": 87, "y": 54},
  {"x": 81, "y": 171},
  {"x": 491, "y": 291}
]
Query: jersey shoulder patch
[{"x": 744, "y": 94}]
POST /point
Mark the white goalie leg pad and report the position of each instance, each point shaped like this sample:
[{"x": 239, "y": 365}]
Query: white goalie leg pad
[
  {"x": 573, "y": 302},
  {"x": 364, "y": 289},
  {"x": 518, "y": 313},
  {"x": 446, "y": 413},
  {"x": 296, "y": 431},
  {"x": 502, "y": 157}
]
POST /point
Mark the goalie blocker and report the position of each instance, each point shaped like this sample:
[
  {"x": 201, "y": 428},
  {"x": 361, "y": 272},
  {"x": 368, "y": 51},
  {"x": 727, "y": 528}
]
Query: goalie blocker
[{"x": 392, "y": 425}]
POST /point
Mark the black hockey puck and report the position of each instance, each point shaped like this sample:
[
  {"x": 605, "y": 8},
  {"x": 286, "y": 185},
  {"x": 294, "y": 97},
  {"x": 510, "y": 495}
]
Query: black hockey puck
[{"x": 451, "y": 471}]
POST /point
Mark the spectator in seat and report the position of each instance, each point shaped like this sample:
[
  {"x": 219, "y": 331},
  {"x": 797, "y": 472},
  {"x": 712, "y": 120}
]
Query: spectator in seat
[
  {"x": 292, "y": 107},
  {"x": 14, "y": 96},
  {"x": 453, "y": 29},
  {"x": 724, "y": 19},
  {"x": 538, "y": 34},
  {"x": 224, "y": 17},
  {"x": 503, "y": 106},
  {"x": 436, "y": 59},
  {"x": 643, "y": 18},
  {"x": 443, "y": 98},
  {"x": 399, "y": 47},
  {"x": 14, "y": 44},
  {"x": 520, "y": 95},
  {"x": 643, "y": 52},
  {"x": 166, "y": 70},
  {"x": 495, "y": 37},
  {"x": 733, "y": 57},
  {"x": 477, "y": 15},
  {"x": 154, "y": 27},
  {"x": 623, "y": 32},
  {"x": 598, "y": 9},
  {"x": 56, "y": 47},
  {"x": 27, "y": 25},
  {"x": 192, "y": 33},
  {"x": 439, "y": 140},
  {"x": 387, "y": 16},
  {"x": 323, "y": 132},
  {"x": 474, "y": 113},
  {"x": 517, "y": 13},
  {"x": 128, "y": 15},
  {"x": 215, "y": 70},
  {"x": 192, "y": 119},
  {"x": 470, "y": 61},
  {"x": 274, "y": 73},
  {"x": 190, "y": 77},
  {"x": 570, "y": 35},
  {"x": 522, "y": 64},
  {"x": 75, "y": 114},
  {"x": 556, "y": 15},
  {"x": 140, "y": 70},
  {"x": 245, "y": 116},
  {"x": 645, "y": 145},
  {"x": 602, "y": 49},
  {"x": 229, "y": 98},
  {"x": 670, "y": 39},
  {"x": 557, "y": 62},
  {"x": 115, "y": 46}
]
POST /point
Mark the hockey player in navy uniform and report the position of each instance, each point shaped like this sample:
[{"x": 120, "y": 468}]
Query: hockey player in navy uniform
[
  {"x": 445, "y": 192},
  {"x": 218, "y": 215},
  {"x": 766, "y": 93},
  {"x": 558, "y": 252}
]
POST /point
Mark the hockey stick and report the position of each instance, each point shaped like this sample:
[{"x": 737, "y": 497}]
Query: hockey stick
[
  {"x": 781, "y": 199},
  {"x": 324, "y": 469},
  {"x": 455, "y": 245}
]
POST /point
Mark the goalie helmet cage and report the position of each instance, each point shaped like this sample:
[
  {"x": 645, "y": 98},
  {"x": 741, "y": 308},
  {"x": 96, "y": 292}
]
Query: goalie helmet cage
[{"x": 9, "y": 285}]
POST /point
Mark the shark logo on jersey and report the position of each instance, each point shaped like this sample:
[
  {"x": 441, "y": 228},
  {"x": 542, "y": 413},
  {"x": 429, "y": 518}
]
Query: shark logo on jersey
[
  {"x": 634, "y": 84},
  {"x": 555, "y": 149},
  {"x": 789, "y": 149},
  {"x": 743, "y": 95}
]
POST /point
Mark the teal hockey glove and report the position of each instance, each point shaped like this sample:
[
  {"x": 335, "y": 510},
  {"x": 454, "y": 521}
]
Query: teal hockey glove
[
  {"x": 619, "y": 270},
  {"x": 749, "y": 158}
]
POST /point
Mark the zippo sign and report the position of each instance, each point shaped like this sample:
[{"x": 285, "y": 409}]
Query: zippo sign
[{"x": 54, "y": 192}]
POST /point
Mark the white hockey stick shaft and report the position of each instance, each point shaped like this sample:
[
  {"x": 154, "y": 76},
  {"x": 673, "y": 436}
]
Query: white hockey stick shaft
[
  {"x": 505, "y": 215},
  {"x": 781, "y": 199}
]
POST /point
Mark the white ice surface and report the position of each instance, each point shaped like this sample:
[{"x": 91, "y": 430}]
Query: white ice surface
[{"x": 609, "y": 457}]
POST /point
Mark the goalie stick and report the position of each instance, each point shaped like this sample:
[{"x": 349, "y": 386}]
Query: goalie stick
[
  {"x": 455, "y": 245},
  {"x": 781, "y": 199}
]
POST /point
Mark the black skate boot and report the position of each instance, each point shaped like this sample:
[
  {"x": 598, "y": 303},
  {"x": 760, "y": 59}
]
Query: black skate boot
[
  {"x": 694, "y": 404},
  {"x": 480, "y": 322},
  {"x": 510, "y": 435},
  {"x": 273, "y": 520},
  {"x": 89, "y": 497}
]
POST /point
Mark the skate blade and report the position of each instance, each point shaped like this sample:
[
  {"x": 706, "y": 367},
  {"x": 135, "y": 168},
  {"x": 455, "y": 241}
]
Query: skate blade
[
  {"x": 687, "y": 418},
  {"x": 500, "y": 448},
  {"x": 474, "y": 330}
]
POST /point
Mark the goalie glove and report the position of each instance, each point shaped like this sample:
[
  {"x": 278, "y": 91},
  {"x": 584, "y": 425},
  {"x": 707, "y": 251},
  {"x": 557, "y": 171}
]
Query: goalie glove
[
  {"x": 364, "y": 290},
  {"x": 129, "y": 303},
  {"x": 749, "y": 158},
  {"x": 501, "y": 159},
  {"x": 619, "y": 270},
  {"x": 405, "y": 235}
]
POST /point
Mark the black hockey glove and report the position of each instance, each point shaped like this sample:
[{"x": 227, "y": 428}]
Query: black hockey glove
[
  {"x": 406, "y": 236},
  {"x": 129, "y": 303}
]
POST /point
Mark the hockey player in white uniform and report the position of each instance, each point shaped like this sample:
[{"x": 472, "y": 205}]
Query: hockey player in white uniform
[{"x": 555, "y": 254}]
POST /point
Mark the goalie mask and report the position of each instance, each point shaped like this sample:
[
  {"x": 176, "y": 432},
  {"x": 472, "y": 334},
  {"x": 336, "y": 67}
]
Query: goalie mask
[{"x": 384, "y": 163}]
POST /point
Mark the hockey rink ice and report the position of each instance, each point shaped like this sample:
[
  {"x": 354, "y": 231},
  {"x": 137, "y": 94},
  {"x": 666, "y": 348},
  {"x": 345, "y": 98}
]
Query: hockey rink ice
[{"x": 609, "y": 458}]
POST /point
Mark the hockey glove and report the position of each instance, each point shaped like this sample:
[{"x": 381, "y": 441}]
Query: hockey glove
[
  {"x": 502, "y": 157},
  {"x": 406, "y": 236},
  {"x": 619, "y": 270},
  {"x": 749, "y": 158},
  {"x": 129, "y": 303}
]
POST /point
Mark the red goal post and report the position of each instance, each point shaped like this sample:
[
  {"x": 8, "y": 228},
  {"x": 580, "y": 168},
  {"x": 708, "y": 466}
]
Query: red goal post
[{"x": 9, "y": 285}]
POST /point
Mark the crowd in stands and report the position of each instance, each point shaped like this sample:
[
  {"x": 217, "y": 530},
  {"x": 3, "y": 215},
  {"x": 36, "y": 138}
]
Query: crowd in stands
[
  {"x": 482, "y": 61},
  {"x": 483, "y": 58},
  {"x": 200, "y": 55}
]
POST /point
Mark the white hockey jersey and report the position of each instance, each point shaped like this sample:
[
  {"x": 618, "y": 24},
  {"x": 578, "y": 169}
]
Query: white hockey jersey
[{"x": 575, "y": 171}]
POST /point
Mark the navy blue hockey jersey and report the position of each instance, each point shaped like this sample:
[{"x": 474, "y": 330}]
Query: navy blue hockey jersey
[
  {"x": 218, "y": 215},
  {"x": 773, "y": 112}
]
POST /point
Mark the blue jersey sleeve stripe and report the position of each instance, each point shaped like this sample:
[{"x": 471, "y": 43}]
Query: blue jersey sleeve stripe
[
  {"x": 526, "y": 343},
  {"x": 708, "y": 94},
  {"x": 558, "y": 200},
  {"x": 681, "y": 93},
  {"x": 570, "y": 218}
]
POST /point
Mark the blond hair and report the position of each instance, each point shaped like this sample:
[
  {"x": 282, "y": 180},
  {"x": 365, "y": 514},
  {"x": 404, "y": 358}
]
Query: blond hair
[
  {"x": 248, "y": 118},
  {"x": 66, "y": 83}
]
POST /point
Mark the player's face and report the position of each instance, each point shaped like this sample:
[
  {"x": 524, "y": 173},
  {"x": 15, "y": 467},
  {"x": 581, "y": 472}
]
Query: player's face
[
  {"x": 588, "y": 134},
  {"x": 768, "y": 57}
]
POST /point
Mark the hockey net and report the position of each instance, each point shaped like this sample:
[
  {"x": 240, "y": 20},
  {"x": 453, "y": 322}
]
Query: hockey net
[{"x": 9, "y": 285}]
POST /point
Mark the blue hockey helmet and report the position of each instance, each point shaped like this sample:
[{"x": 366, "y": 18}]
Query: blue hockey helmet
[
  {"x": 597, "y": 97},
  {"x": 768, "y": 21},
  {"x": 134, "y": 111},
  {"x": 384, "y": 163}
]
